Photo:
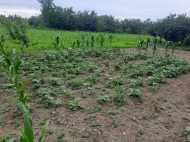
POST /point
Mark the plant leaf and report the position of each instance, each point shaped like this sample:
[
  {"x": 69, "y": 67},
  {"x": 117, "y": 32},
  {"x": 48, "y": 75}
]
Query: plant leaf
[
  {"x": 28, "y": 131},
  {"x": 13, "y": 139},
  {"x": 43, "y": 131},
  {"x": 188, "y": 138},
  {"x": 187, "y": 129}
]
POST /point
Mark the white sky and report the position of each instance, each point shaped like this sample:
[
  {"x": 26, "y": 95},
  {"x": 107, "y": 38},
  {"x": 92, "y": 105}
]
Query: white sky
[{"x": 143, "y": 9}]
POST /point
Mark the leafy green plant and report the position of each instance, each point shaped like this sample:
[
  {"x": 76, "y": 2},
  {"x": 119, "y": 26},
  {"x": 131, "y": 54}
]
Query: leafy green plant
[
  {"x": 28, "y": 131},
  {"x": 2, "y": 41},
  {"x": 167, "y": 43},
  {"x": 60, "y": 136},
  {"x": 83, "y": 37},
  {"x": 78, "y": 43},
  {"x": 57, "y": 40},
  {"x": 118, "y": 99},
  {"x": 111, "y": 37},
  {"x": 140, "y": 45},
  {"x": 155, "y": 41},
  {"x": 187, "y": 130},
  {"x": 102, "y": 98},
  {"x": 134, "y": 93},
  {"x": 94, "y": 109},
  {"x": 22, "y": 95},
  {"x": 75, "y": 84},
  {"x": 173, "y": 46},
  {"x": 92, "y": 39},
  {"x": 147, "y": 41},
  {"x": 74, "y": 105},
  {"x": 17, "y": 30},
  {"x": 54, "y": 81},
  {"x": 102, "y": 39}
]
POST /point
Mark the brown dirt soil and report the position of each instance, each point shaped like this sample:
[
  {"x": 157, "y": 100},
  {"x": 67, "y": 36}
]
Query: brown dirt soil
[{"x": 161, "y": 116}]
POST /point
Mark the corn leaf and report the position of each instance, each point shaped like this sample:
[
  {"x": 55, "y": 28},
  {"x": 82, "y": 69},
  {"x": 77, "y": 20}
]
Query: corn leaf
[
  {"x": 43, "y": 131},
  {"x": 28, "y": 131}
]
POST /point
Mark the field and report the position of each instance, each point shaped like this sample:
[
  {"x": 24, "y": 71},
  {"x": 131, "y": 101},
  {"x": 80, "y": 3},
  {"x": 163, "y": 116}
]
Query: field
[
  {"x": 101, "y": 94},
  {"x": 43, "y": 40}
]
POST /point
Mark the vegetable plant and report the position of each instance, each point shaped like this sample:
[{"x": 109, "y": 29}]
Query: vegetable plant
[
  {"x": 57, "y": 40},
  {"x": 111, "y": 37},
  {"x": 155, "y": 41},
  {"x": 28, "y": 135},
  {"x": 167, "y": 43},
  {"x": 173, "y": 46}
]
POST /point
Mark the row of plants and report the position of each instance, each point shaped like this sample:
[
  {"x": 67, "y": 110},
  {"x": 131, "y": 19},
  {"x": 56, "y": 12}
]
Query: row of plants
[
  {"x": 11, "y": 66},
  {"x": 155, "y": 41},
  {"x": 84, "y": 39}
]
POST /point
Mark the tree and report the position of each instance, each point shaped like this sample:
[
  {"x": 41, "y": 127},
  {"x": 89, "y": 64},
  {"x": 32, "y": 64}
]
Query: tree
[{"x": 47, "y": 10}]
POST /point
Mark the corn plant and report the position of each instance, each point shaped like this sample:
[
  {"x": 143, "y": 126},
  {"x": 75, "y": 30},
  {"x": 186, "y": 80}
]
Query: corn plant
[
  {"x": 83, "y": 37},
  {"x": 111, "y": 37},
  {"x": 167, "y": 43},
  {"x": 140, "y": 45},
  {"x": 155, "y": 41},
  {"x": 147, "y": 43},
  {"x": 102, "y": 39},
  {"x": 78, "y": 42},
  {"x": 92, "y": 40},
  {"x": 57, "y": 40},
  {"x": 87, "y": 42},
  {"x": 73, "y": 44},
  {"x": 173, "y": 46},
  {"x": 28, "y": 135},
  {"x": 2, "y": 40},
  {"x": 11, "y": 66},
  {"x": 20, "y": 90}
]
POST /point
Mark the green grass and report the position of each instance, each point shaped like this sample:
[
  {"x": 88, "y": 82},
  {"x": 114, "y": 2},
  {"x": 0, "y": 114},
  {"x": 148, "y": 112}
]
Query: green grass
[{"x": 43, "y": 41}]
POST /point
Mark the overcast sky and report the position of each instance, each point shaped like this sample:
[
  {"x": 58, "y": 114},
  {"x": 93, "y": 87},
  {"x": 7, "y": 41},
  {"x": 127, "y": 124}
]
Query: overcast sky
[{"x": 143, "y": 9}]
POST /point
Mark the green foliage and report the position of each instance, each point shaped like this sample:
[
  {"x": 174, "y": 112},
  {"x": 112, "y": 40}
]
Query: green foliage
[
  {"x": 2, "y": 40},
  {"x": 111, "y": 37},
  {"x": 28, "y": 131},
  {"x": 167, "y": 43},
  {"x": 94, "y": 109},
  {"x": 74, "y": 105},
  {"x": 102, "y": 98},
  {"x": 101, "y": 39},
  {"x": 134, "y": 93},
  {"x": 155, "y": 41},
  {"x": 140, "y": 45},
  {"x": 173, "y": 46},
  {"x": 22, "y": 95},
  {"x": 17, "y": 30},
  {"x": 187, "y": 130},
  {"x": 60, "y": 136},
  {"x": 118, "y": 99},
  {"x": 147, "y": 41},
  {"x": 57, "y": 40},
  {"x": 75, "y": 84}
]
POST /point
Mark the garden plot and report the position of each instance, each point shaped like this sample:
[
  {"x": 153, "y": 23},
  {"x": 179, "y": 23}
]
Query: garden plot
[{"x": 101, "y": 94}]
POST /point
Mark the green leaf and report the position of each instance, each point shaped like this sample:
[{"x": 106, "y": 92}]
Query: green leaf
[
  {"x": 43, "y": 131},
  {"x": 187, "y": 129},
  {"x": 188, "y": 138},
  {"x": 28, "y": 131},
  {"x": 13, "y": 139}
]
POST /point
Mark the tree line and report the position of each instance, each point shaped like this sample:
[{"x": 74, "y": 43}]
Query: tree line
[{"x": 173, "y": 27}]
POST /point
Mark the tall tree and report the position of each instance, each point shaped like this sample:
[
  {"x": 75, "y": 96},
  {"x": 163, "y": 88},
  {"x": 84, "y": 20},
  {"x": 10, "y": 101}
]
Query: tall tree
[{"x": 47, "y": 10}]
